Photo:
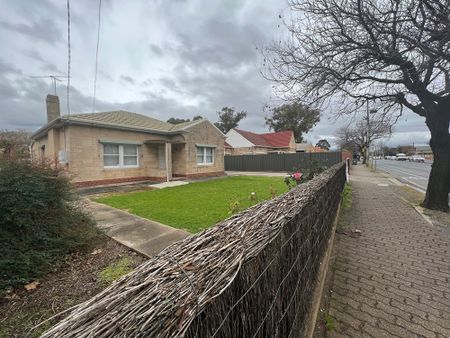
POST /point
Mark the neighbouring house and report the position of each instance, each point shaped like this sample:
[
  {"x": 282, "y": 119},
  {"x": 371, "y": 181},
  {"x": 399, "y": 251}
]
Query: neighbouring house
[
  {"x": 120, "y": 146},
  {"x": 241, "y": 142},
  {"x": 304, "y": 147},
  {"x": 308, "y": 148}
]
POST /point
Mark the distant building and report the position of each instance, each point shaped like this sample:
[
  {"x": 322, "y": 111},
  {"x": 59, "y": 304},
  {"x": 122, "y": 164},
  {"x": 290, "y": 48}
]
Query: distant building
[
  {"x": 242, "y": 142},
  {"x": 308, "y": 148},
  {"x": 303, "y": 147},
  {"x": 424, "y": 151}
]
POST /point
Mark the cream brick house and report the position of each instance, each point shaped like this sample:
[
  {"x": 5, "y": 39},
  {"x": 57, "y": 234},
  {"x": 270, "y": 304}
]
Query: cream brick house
[{"x": 120, "y": 146}]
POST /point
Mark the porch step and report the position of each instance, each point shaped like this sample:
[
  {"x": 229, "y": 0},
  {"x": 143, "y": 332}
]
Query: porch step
[{"x": 168, "y": 184}]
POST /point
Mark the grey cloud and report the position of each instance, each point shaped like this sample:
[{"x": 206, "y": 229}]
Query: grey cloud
[
  {"x": 155, "y": 50},
  {"x": 7, "y": 91},
  {"x": 105, "y": 75},
  {"x": 51, "y": 68},
  {"x": 34, "y": 55},
  {"x": 127, "y": 79},
  {"x": 147, "y": 82},
  {"x": 222, "y": 44},
  {"x": 8, "y": 68},
  {"x": 43, "y": 29}
]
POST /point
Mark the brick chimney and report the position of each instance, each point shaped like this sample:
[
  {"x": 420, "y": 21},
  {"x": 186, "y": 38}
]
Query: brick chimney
[{"x": 53, "y": 111}]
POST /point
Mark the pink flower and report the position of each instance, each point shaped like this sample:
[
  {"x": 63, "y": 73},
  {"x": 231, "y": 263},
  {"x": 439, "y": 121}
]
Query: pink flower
[{"x": 297, "y": 176}]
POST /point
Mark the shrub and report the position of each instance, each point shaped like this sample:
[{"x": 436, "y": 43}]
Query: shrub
[{"x": 39, "y": 222}]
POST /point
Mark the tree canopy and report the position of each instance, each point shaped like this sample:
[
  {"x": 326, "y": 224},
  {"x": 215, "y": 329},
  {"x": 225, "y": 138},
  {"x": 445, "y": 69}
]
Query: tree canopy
[
  {"x": 395, "y": 53},
  {"x": 323, "y": 144},
  {"x": 296, "y": 117},
  {"x": 175, "y": 120},
  {"x": 229, "y": 119}
]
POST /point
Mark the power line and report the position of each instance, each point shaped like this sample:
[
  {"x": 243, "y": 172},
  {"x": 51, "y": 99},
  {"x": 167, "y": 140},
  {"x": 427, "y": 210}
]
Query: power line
[
  {"x": 96, "y": 55},
  {"x": 68, "y": 58}
]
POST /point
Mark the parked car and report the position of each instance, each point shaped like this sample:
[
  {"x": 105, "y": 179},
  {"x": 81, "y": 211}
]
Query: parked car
[
  {"x": 416, "y": 158},
  {"x": 401, "y": 157}
]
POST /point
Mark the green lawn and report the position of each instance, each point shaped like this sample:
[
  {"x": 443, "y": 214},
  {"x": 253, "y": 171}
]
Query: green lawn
[{"x": 197, "y": 206}]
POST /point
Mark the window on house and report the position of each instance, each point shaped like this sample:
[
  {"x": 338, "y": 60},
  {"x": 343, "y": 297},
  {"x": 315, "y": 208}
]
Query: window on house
[
  {"x": 120, "y": 155},
  {"x": 205, "y": 155}
]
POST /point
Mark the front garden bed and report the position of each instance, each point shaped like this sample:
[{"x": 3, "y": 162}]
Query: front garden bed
[{"x": 79, "y": 277}]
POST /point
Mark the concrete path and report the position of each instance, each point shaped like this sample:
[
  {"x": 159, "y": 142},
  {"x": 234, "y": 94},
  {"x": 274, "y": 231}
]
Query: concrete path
[
  {"x": 140, "y": 234},
  {"x": 394, "y": 279}
]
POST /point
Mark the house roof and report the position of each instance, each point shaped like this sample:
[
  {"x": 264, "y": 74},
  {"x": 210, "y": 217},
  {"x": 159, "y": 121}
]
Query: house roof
[
  {"x": 280, "y": 139},
  {"x": 121, "y": 119}
]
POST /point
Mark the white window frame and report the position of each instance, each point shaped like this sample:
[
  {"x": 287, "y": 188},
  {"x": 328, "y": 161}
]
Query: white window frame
[
  {"x": 204, "y": 155},
  {"x": 121, "y": 156}
]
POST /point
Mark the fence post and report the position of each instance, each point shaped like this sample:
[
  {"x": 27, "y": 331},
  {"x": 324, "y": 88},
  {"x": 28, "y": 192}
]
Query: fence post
[{"x": 347, "y": 168}]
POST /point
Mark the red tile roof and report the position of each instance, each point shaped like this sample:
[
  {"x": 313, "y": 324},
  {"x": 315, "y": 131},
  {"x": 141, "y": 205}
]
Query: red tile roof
[{"x": 274, "y": 140}]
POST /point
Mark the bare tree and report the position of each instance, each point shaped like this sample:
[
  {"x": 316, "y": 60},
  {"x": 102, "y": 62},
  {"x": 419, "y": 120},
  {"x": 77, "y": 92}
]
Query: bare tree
[
  {"x": 396, "y": 53},
  {"x": 359, "y": 136},
  {"x": 14, "y": 144}
]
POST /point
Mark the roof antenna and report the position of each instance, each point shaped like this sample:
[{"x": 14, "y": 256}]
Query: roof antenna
[{"x": 54, "y": 78}]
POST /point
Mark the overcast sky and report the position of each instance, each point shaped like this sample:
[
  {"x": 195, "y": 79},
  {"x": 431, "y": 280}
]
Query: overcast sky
[{"x": 164, "y": 59}]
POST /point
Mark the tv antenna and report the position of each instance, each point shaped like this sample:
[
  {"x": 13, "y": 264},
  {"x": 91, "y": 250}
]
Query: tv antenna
[{"x": 54, "y": 78}]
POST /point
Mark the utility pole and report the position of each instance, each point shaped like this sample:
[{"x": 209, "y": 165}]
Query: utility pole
[{"x": 368, "y": 133}]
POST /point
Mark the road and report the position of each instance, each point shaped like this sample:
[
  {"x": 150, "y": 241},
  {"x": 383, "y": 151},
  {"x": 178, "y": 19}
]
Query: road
[{"x": 415, "y": 174}]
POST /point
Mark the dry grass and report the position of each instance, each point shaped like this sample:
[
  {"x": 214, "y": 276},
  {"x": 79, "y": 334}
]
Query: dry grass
[{"x": 415, "y": 198}]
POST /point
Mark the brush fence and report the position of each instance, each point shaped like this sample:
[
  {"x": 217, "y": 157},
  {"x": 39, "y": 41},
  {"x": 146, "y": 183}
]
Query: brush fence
[{"x": 252, "y": 275}]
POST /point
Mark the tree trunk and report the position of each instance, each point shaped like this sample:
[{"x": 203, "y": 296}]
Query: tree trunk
[
  {"x": 439, "y": 181},
  {"x": 363, "y": 152}
]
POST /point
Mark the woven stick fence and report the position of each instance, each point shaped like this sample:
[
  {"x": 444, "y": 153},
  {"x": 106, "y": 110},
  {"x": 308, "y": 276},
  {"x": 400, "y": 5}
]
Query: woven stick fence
[{"x": 251, "y": 275}]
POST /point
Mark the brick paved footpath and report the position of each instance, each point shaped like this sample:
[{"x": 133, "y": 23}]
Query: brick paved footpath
[{"x": 393, "y": 280}]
